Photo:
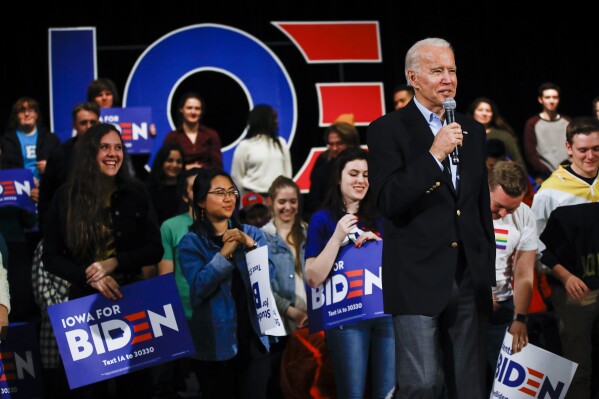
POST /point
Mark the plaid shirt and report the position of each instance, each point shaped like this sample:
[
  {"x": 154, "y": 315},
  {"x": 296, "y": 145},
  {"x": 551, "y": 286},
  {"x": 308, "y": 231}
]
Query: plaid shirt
[{"x": 48, "y": 289}]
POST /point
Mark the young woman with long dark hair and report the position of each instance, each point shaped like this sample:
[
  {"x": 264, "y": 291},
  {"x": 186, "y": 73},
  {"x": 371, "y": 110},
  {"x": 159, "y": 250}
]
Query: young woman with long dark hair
[
  {"x": 162, "y": 181},
  {"x": 362, "y": 347},
  {"x": 233, "y": 354},
  {"x": 101, "y": 230}
]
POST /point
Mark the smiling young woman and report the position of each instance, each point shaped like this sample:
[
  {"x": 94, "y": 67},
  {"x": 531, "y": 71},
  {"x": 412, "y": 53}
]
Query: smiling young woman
[
  {"x": 286, "y": 237},
  {"x": 101, "y": 229},
  {"x": 201, "y": 145},
  {"x": 349, "y": 215},
  {"x": 232, "y": 353}
]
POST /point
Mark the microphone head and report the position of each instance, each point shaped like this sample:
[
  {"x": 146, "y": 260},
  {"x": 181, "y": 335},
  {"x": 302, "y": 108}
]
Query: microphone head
[{"x": 449, "y": 104}]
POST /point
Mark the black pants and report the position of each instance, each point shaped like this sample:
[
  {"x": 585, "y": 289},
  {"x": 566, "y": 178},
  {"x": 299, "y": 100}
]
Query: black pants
[{"x": 245, "y": 377}]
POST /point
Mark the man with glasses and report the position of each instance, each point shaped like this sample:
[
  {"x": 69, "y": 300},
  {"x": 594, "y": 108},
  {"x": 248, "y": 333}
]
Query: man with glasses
[{"x": 339, "y": 136}]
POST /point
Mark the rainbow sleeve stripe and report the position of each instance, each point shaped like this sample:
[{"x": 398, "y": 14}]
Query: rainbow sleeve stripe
[{"x": 501, "y": 238}]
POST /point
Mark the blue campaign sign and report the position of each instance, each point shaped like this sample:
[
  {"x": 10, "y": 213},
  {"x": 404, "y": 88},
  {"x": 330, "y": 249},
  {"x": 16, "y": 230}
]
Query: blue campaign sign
[
  {"x": 100, "y": 339},
  {"x": 134, "y": 125},
  {"x": 352, "y": 292},
  {"x": 20, "y": 366},
  {"x": 15, "y": 188}
]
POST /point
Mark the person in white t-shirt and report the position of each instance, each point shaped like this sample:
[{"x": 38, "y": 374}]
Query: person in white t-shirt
[{"x": 516, "y": 244}]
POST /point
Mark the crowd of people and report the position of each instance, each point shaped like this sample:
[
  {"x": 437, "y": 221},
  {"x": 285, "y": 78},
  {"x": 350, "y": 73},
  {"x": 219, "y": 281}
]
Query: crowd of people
[{"x": 503, "y": 240}]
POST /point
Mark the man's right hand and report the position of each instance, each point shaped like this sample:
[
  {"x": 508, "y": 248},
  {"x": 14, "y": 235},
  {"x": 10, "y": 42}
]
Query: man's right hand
[
  {"x": 520, "y": 335},
  {"x": 446, "y": 140}
]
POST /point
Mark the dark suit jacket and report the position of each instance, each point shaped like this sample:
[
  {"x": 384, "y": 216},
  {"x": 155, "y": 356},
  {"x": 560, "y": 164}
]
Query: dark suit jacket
[{"x": 424, "y": 217}]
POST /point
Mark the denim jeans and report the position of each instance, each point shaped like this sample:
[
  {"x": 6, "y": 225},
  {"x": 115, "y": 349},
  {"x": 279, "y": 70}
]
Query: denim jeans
[{"x": 360, "y": 349}]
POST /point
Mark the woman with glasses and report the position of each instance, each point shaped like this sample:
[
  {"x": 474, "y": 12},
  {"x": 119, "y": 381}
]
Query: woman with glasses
[
  {"x": 233, "y": 355},
  {"x": 27, "y": 144},
  {"x": 364, "y": 347}
]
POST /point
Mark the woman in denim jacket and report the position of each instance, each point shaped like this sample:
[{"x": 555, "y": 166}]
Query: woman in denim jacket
[
  {"x": 286, "y": 237},
  {"x": 233, "y": 354}
]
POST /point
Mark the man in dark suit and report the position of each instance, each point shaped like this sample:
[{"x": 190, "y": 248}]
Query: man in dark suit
[{"x": 439, "y": 252}]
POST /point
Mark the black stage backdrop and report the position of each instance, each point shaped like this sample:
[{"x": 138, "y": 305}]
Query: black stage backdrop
[{"x": 502, "y": 51}]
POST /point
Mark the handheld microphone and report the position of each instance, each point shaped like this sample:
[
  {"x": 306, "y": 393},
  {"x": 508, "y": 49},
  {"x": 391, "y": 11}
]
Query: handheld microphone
[{"x": 449, "y": 106}]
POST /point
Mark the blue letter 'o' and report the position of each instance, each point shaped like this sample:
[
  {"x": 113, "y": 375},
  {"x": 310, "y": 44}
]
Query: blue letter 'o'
[{"x": 158, "y": 71}]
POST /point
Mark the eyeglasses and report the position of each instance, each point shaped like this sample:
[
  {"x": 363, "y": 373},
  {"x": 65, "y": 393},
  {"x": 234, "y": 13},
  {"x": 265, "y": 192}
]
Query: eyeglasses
[
  {"x": 223, "y": 194},
  {"x": 24, "y": 110}
]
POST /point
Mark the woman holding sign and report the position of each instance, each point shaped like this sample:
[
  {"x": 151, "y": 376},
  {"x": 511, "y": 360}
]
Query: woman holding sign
[
  {"x": 100, "y": 231},
  {"x": 233, "y": 354},
  {"x": 101, "y": 226},
  {"x": 348, "y": 218}
]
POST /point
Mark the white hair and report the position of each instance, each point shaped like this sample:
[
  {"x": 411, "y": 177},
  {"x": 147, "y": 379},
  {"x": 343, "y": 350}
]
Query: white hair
[{"x": 413, "y": 55}]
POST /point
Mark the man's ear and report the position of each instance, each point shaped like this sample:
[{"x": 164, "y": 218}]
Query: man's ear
[
  {"x": 412, "y": 79},
  {"x": 569, "y": 148}
]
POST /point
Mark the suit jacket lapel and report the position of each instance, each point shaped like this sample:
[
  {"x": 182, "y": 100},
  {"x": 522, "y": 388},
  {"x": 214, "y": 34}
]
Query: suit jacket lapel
[{"x": 424, "y": 137}]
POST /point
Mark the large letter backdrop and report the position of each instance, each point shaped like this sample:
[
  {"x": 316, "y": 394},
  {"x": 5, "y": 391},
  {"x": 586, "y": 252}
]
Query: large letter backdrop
[
  {"x": 352, "y": 292},
  {"x": 257, "y": 70},
  {"x": 100, "y": 339},
  {"x": 531, "y": 373}
]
